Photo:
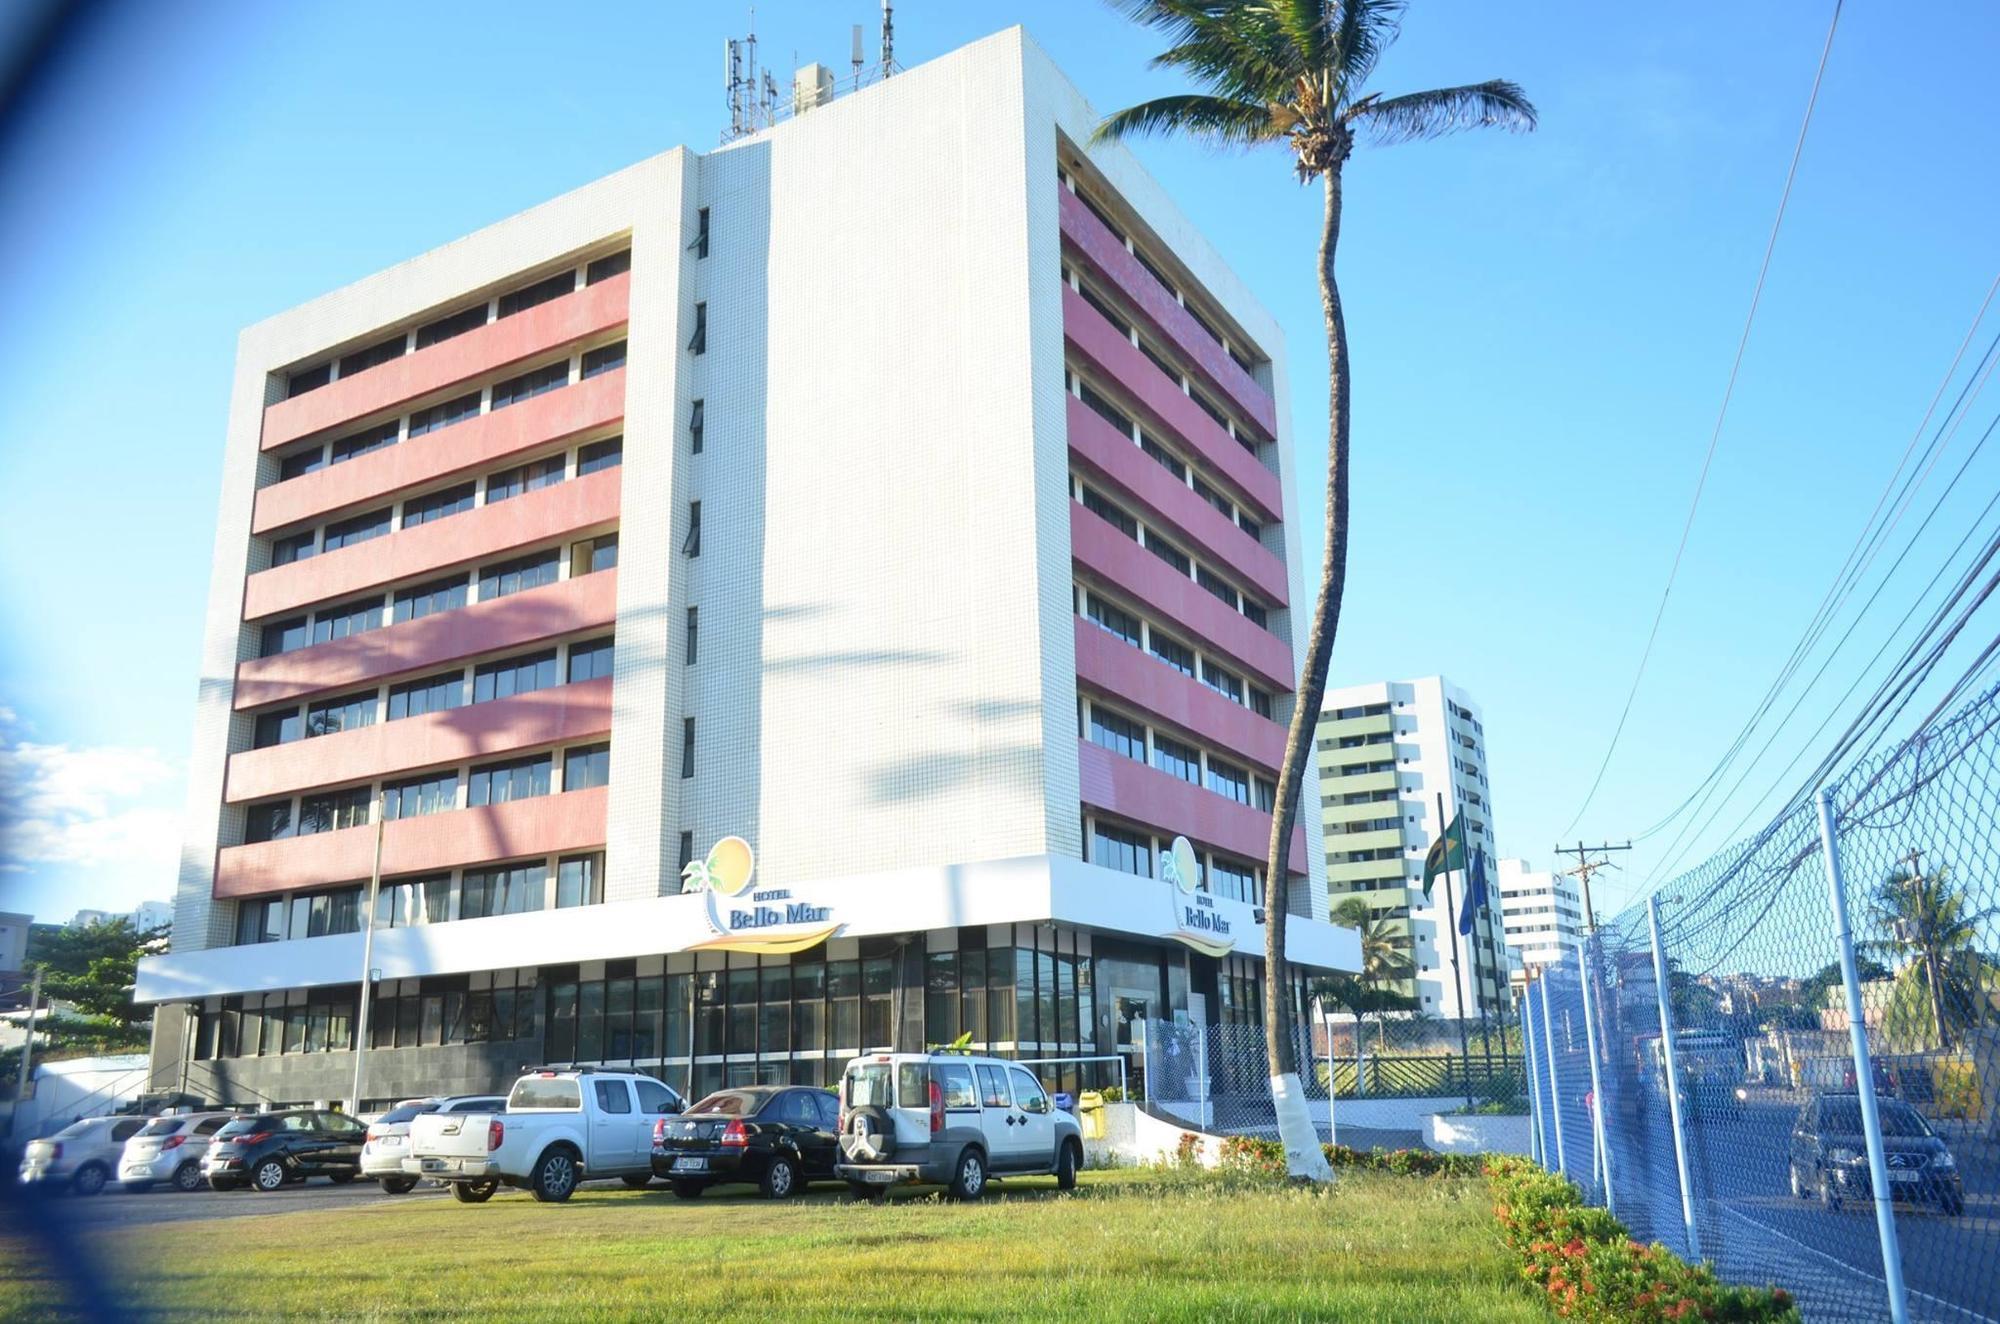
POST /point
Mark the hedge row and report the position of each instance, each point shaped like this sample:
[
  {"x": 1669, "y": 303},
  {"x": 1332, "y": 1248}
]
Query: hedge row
[{"x": 1253, "y": 1154}]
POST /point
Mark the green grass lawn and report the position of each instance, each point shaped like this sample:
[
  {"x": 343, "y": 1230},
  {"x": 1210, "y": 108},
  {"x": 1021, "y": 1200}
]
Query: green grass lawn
[{"x": 1125, "y": 1246}]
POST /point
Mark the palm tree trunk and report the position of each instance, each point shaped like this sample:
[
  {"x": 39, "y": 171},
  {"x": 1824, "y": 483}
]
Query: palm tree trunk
[{"x": 1305, "y": 711}]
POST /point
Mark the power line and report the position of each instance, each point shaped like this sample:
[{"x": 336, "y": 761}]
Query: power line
[{"x": 1722, "y": 415}]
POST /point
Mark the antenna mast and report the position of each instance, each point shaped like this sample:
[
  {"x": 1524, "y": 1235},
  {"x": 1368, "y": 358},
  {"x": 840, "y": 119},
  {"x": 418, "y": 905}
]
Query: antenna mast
[
  {"x": 888, "y": 38},
  {"x": 855, "y": 56}
]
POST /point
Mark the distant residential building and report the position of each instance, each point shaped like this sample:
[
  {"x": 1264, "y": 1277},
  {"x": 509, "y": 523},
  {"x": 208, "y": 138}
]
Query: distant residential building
[
  {"x": 13, "y": 941},
  {"x": 147, "y": 915},
  {"x": 1387, "y": 751},
  {"x": 1543, "y": 915}
]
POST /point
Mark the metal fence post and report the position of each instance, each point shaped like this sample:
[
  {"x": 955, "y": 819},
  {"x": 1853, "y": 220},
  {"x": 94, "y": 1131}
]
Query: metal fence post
[
  {"x": 1864, "y": 1074},
  {"x": 1673, "y": 1079},
  {"x": 1600, "y": 1151},
  {"x": 1535, "y": 1118},
  {"x": 1555, "y": 1090}
]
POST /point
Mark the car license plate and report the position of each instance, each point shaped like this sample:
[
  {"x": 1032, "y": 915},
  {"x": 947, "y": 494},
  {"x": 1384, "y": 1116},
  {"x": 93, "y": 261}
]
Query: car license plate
[
  {"x": 433, "y": 1165},
  {"x": 1906, "y": 1176},
  {"x": 690, "y": 1165},
  {"x": 880, "y": 1178}
]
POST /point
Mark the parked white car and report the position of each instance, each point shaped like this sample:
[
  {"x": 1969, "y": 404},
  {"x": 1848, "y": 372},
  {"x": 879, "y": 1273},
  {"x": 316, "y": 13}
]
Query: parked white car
[
  {"x": 952, "y": 1120},
  {"x": 562, "y": 1126},
  {"x": 389, "y": 1135},
  {"x": 169, "y": 1149},
  {"x": 81, "y": 1157}
]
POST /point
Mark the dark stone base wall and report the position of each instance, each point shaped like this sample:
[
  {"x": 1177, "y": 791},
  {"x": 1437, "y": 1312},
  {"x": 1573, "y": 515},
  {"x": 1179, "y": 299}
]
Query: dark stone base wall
[{"x": 392, "y": 1073}]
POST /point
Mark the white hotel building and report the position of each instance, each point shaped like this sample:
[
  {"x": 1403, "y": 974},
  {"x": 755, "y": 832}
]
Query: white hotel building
[{"x": 903, "y": 490}]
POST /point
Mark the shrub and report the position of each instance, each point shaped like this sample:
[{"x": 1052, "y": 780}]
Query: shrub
[
  {"x": 1254, "y": 1154},
  {"x": 1589, "y": 1267}
]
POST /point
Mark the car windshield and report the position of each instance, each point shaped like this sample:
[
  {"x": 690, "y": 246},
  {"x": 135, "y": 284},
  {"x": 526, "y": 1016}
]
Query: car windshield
[
  {"x": 405, "y": 1111},
  {"x": 1898, "y": 1119},
  {"x": 732, "y": 1103},
  {"x": 869, "y": 1084},
  {"x": 552, "y": 1092},
  {"x": 245, "y": 1125},
  {"x": 163, "y": 1126}
]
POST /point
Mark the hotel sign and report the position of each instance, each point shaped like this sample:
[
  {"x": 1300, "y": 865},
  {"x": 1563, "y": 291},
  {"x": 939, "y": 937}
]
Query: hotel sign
[
  {"x": 769, "y": 921},
  {"x": 1196, "y": 922}
]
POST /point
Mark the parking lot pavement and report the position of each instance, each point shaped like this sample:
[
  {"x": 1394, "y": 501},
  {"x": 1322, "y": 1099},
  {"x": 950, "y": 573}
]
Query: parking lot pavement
[{"x": 115, "y": 1208}]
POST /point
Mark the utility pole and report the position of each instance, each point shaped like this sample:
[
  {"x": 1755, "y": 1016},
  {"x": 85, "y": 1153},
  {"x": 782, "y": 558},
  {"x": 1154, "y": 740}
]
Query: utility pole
[
  {"x": 27, "y": 1050},
  {"x": 1589, "y": 861}
]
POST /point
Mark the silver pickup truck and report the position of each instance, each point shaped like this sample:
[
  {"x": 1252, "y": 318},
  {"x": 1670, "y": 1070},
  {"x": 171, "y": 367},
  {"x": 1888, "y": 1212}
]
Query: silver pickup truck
[{"x": 563, "y": 1125}]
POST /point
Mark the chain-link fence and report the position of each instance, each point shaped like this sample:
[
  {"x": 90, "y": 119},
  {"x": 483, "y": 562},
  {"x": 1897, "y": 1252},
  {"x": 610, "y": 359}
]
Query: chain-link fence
[{"x": 1697, "y": 1068}]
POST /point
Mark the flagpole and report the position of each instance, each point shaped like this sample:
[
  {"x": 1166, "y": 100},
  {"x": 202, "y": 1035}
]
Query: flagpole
[
  {"x": 1465, "y": 849},
  {"x": 1451, "y": 922}
]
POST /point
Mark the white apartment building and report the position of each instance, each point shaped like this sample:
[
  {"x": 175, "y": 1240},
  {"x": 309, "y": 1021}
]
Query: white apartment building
[{"x": 1543, "y": 914}]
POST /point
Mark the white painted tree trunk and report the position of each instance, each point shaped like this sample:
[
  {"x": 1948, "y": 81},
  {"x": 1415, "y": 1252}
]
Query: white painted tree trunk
[{"x": 1304, "y": 1159}]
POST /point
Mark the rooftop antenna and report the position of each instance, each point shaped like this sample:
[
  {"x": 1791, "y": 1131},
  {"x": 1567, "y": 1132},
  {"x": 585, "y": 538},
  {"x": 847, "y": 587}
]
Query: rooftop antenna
[
  {"x": 888, "y": 38},
  {"x": 750, "y": 76},
  {"x": 734, "y": 79},
  {"x": 855, "y": 56}
]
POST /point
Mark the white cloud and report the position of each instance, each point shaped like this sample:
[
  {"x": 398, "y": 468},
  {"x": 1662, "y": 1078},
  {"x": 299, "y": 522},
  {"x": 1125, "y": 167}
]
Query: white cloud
[{"x": 95, "y": 810}]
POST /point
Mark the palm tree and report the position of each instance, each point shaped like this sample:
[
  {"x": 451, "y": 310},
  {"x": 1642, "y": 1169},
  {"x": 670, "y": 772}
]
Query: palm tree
[
  {"x": 1293, "y": 72},
  {"x": 1382, "y": 962},
  {"x": 1930, "y": 930}
]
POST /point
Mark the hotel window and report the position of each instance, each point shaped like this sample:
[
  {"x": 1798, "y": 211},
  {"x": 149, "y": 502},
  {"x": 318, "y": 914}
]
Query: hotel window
[
  {"x": 1234, "y": 881},
  {"x": 697, "y": 419},
  {"x": 1216, "y": 585},
  {"x": 1210, "y": 408},
  {"x": 1250, "y": 526},
  {"x": 445, "y": 328},
  {"x": 260, "y": 921},
  {"x": 590, "y": 660},
  {"x": 1176, "y": 655},
  {"x": 1226, "y": 780},
  {"x": 554, "y": 287},
  {"x": 424, "y": 509},
  {"x": 1099, "y": 505},
  {"x": 1170, "y": 755},
  {"x": 1163, "y": 457},
  {"x": 433, "y": 694},
  {"x": 1260, "y": 702},
  {"x": 1126, "y": 852},
  {"x": 361, "y": 528},
  {"x": 514, "y": 675},
  {"x": 410, "y": 901},
  {"x": 1169, "y": 553},
  {"x": 278, "y": 729},
  {"x": 298, "y": 547},
  {"x": 607, "y": 267},
  {"x": 691, "y": 545},
  {"x": 586, "y": 766},
  {"x": 1254, "y": 613},
  {"x": 1104, "y": 409},
  {"x": 1222, "y": 682},
  {"x": 693, "y": 635},
  {"x": 1159, "y": 361},
  {"x": 435, "y": 793},
  {"x": 524, "y": 478},
  {"x": 516, "y": 779},
  {"x": 284, "y": 636},
  {"x": 698, "y": 342},
  {"x": 497, "y": 581},
  {"x": 1118, "y": 622},
  {"x": 325, "y": 913},
  {"x": 687, "y": 849},
  {"x": 413, "y": 604},
  {"x": 701, "y": 233},
  {"x": 353, "y": 618},
  {"x": 606, "y": 454},
  {"x": 444, "y": 415},
  {"x": 528, "y": 385},
  {"x": 308, "y": 379},
  {"x": 593, "y": 554},
  {"x": 334, "y": 811},
  {"x": 1265, "y": 794},
  {"x": 361, "y": 360},
  {"x": 603, "y": 359},
  {"x": 269, "y": 821},
  {"x": 579, "y": 881},
  {"x": 305, "y": 462},
  {"x": 1117, "y": 734},
  {"x": 1106, "y": 311},
  {"x": 687, "y": 747},
  {"x": 513, "y": 890},
  {"x": 348, "y": 714},
  {"x": 362, "y": 443}
]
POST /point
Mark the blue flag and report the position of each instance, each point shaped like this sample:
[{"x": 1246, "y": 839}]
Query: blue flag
[{"x": 1475, "y": 891}]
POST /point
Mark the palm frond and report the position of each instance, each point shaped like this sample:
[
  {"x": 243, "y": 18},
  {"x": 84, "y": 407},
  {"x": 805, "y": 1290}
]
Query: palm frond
[
  {"x": 1220, "y": 121},
  {"x": 1240, "y": 54},
  {"x": 1433, "y": 114},
  {"x": 1304, "y": 23},
  {"x": 1361, "y": 31}
]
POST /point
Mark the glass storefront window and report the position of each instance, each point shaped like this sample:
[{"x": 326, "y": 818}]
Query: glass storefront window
[
  {"x": 646, "y": 1001},
  {"x": 941, "y": 997},
  {"x": 774, "y": 1025},
  {"x": 618, "y": 1020},
  {"x": 590, "y": 1021},
  {"x": 809, "y": 1008},
  {"x": 972, "y": 994},
  {"x": 562, "y": 1023}
]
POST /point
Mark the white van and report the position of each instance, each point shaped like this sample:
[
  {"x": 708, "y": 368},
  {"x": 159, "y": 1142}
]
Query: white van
[{"x": 951, "y": 1120}]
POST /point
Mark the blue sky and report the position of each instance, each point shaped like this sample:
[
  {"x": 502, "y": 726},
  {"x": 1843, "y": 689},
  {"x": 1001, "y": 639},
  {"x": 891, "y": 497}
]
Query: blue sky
[{"x": 1542, "y": 327}]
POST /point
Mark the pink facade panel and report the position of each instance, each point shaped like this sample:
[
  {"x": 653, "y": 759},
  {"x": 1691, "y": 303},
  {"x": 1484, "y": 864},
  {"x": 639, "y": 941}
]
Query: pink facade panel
[
  {"x": 558, "y": 715},
  {"x": 466, "y": 448},
  {"x": 1167, "y": 406},
  {"x": 1108, "y": 664},
  {"x": 1171, "y": 807},
  {"x": 519, "y": 829},
  {"x": 487, "y": 531},
  {"x": 1173, "y": 505},
  {"x": 1100, "y": 251},
  {"x": 539, "y": 330},
  {"x": 1177, "y": 601},
  {"x": 519, "y": 619}
]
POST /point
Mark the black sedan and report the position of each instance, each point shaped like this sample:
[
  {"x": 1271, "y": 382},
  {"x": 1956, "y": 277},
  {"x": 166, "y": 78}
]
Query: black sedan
[
  {"x": 266, "y": 1151},
  {"x": 778, "y": 1136},
  {"x": 1829, "y": 1157}
]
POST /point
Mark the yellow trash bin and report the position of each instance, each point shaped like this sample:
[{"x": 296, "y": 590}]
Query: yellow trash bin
[{"x": 1090, "y": 1114}]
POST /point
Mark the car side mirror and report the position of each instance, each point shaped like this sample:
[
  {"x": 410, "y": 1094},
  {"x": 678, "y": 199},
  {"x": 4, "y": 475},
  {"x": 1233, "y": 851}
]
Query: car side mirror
[{"x": 1035, "y": 1106}]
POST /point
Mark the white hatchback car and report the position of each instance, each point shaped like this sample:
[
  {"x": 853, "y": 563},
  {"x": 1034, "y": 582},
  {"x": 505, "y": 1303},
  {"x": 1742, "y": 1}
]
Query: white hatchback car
[
  {"x": 169, "y": 1149},
  {"x": 389, "y": 1135},
  {"x": 82, "y": 1156}
]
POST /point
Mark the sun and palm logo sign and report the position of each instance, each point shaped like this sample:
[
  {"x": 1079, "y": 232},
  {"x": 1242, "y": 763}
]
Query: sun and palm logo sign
[{"x": 771, "y": 923}]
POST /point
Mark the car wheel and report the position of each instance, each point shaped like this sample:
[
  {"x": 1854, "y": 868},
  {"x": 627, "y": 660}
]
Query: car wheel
[
  {"x": 268, "y": 1176},
  {"x": 187, "y": 1177},
  {"x": 1066, "y": 1166},
  {"x": 689, "y": 1190},
  {"x": 637, "y": 1181},
  {"x": 554, "y": 1178},
  {"x": 474, "y": 1192},
  {"x": 781, "y": 1179},
  {"x": 398, "y": 1185},
  {"x": 341, "y": 1178},
  {"x": 89, "y": 1179},
  {"x": 969, "y": 1181}
]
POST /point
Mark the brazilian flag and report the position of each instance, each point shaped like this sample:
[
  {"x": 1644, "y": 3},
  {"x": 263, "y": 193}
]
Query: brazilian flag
[{"x": 1446, "y": 853}]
